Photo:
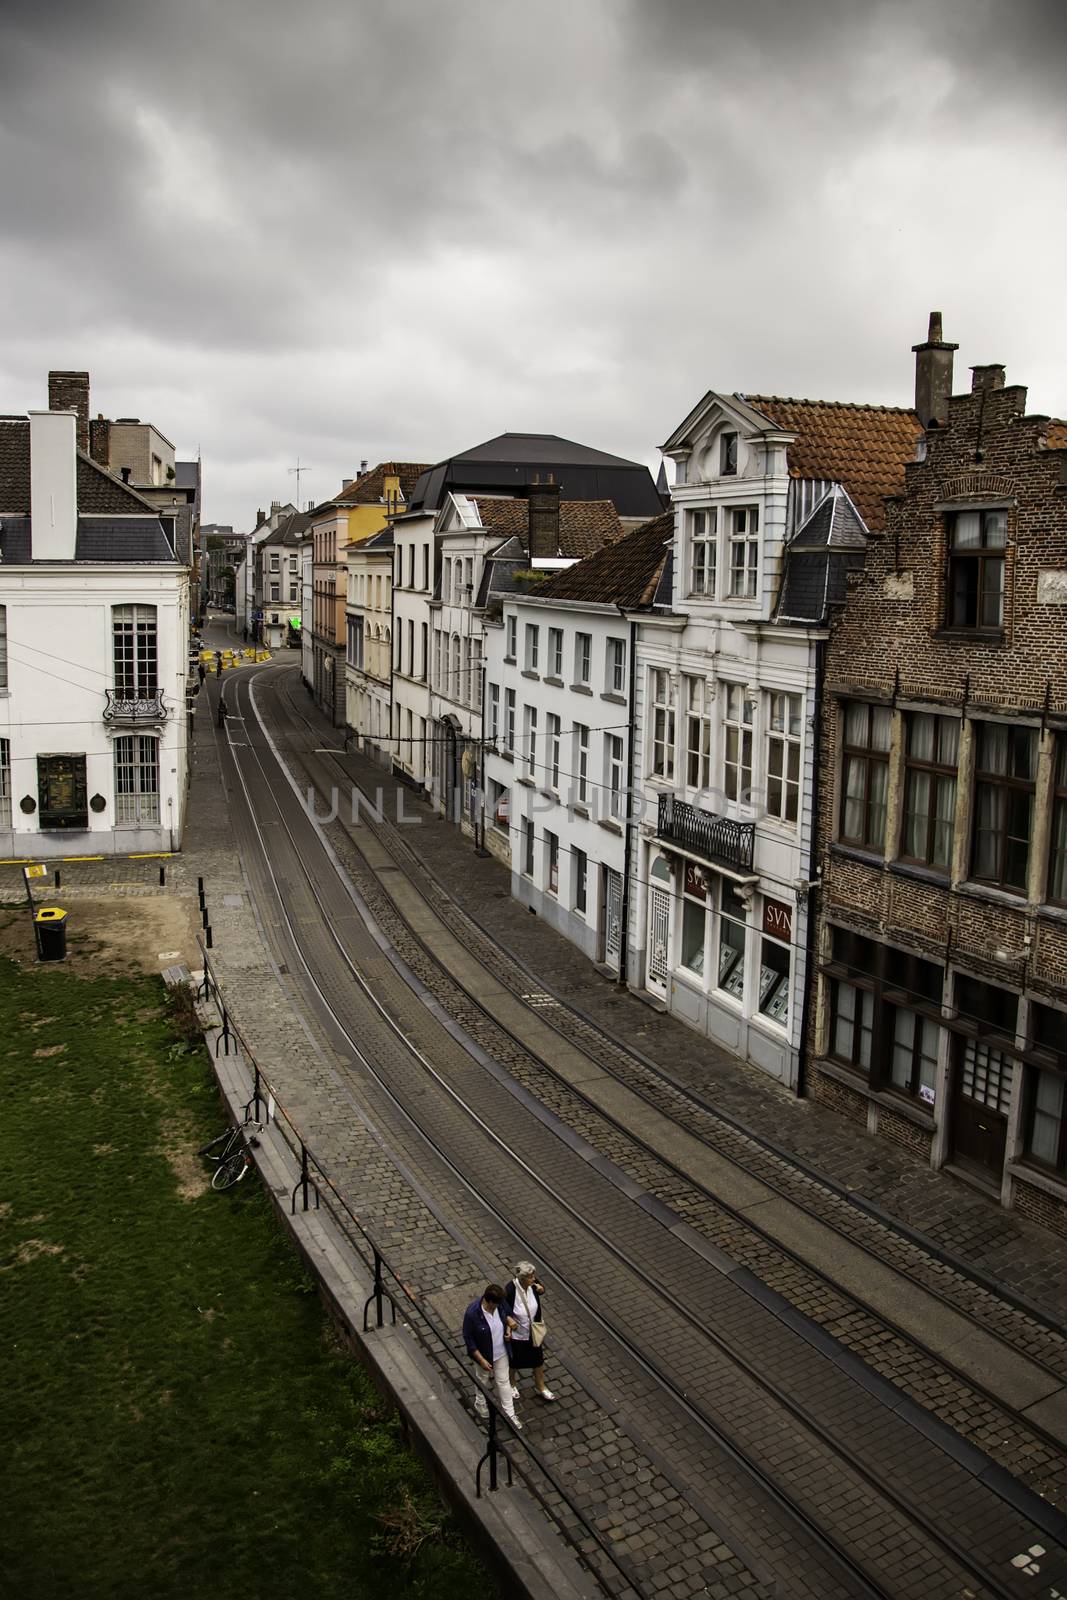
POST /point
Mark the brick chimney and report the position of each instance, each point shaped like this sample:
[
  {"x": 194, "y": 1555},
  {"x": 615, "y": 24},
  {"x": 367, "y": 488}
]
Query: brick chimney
[
  {"x": 933, "y": 376},
  {"x": 100, "y": 440},
  {"x": 543, "y": 519},
  {"x": 990, "y": 377},
  {"x": 69, "y": 391}
]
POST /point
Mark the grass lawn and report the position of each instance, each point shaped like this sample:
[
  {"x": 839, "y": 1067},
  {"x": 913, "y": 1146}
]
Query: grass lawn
[{"x": 179, "y": 1415}]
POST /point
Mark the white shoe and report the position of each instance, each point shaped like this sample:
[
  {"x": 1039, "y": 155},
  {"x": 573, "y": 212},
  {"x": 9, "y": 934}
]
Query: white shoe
[
  {"x": 516, "y": 1424},
  {"x": 546, "y": 1394},
  {"x": 514, "y": 1389}
]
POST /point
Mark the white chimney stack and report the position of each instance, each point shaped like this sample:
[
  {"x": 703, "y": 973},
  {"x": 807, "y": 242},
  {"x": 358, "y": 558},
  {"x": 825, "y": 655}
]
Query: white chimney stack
[{"x": 53, "y": 485}]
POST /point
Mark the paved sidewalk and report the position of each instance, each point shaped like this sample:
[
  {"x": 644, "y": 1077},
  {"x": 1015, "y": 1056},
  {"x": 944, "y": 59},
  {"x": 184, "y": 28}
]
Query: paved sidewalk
[{"x": 1025, "y": 1258}]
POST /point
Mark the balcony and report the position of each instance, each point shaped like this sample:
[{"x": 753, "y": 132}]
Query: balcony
[
  {"x": 141, "y": 711},
  {"x": 718, "y": 839}
]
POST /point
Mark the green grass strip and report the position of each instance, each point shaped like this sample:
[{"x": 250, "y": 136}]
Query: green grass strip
[{"x": 179, "y": 1413}]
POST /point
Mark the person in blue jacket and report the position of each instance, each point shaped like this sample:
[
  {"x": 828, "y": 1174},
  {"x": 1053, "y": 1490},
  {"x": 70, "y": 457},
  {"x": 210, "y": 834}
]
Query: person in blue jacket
[{"x": 486, "y": 1331}]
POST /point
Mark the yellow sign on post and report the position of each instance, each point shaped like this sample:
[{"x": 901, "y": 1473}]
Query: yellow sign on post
[{"x": 38, "y": 871}]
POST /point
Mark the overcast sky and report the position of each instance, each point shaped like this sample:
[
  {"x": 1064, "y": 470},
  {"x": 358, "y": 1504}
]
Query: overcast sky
[{"x": 394, "y": 228}]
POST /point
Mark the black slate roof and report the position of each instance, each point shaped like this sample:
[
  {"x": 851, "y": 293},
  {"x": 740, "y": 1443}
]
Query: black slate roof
[
  {"x": 511, "y": 462},
  {"x": 826, "y": 547},
  {"x": 104, "y": 539}
]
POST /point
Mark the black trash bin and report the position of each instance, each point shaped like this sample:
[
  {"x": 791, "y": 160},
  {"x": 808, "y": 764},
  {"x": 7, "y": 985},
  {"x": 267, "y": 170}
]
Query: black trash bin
[{"x": 51, "y": 925}]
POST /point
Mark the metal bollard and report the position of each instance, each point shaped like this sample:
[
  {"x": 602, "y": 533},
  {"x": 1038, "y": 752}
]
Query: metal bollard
[
  {"x": 207, "y": 933},
  {"x": 162, "y": 877},
  {"x": 58, "y": 878}
]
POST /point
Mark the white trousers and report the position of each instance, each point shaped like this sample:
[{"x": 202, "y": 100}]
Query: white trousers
[{"x": 500, "y": 1380}]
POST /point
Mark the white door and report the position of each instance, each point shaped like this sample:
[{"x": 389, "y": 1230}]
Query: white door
[
  {"x": 612, "y": 917},
  {"x": 659, "y": 923}
]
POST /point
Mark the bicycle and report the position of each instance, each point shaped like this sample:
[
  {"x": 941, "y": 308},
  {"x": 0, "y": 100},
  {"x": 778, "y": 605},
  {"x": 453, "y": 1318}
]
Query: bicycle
[{"x": 230, "y": 1154}]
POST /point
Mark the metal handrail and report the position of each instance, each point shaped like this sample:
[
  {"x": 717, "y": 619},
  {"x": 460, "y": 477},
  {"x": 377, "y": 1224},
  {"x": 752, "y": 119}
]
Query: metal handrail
[{"x": 439, "y": 1344}]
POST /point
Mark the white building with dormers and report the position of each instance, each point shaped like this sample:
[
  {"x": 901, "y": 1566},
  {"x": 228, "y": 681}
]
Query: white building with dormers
[{"x": 774, "y": 500}]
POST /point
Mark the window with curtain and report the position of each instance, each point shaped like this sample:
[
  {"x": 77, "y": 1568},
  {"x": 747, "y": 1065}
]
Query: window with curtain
[
  {"x": 783, "y": 756},
  {"x": 1045, "y": 1106},
  {"x": 865, "y": 773},
  {"x": 661, "y": 696},
  {"x": 737, "y": 743},
  {"x": 1005, "y": 783},
  {"x": 976, "y": 541},
  {"x": 698, "y": 701},
  {"x": 931, "y": 753}
]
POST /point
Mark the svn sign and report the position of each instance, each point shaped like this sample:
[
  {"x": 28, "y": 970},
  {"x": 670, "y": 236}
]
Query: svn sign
[{"x": 777, "y": 920}]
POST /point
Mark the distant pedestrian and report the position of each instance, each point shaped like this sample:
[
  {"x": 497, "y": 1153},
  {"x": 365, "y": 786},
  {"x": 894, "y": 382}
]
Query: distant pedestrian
[
  {"x": 486, "y": 1330},
  {"x": 245, "y": 632},
  {"x": 218, "y": 663},
  {"x": 222, "y": 711},
  {"x": 523, "y": 1299},
  {"x": 201, "y": 674}
]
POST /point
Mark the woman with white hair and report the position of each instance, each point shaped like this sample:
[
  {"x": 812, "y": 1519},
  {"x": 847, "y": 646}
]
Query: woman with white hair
[{"x": 526, "y": 1352}]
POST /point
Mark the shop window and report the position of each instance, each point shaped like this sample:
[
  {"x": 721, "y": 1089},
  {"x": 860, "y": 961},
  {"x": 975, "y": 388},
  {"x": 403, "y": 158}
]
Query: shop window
[
  {"x": 1005, "y": 779},
  {"x": 1045, "y": 1140},
  {"x": 865, "y": 786},
  {"x": 733, "y": 918},
  {"x": 774, "y": 961},
  {"x": 930, "y": 757},
  {"x": 694, "y": 918},
  {"x": 884, "y": 1020}
]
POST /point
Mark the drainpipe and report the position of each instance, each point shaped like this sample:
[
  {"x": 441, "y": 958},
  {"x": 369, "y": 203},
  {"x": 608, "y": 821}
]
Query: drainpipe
[
  {"x": 811, "y": 931},
  {"x": 624, "y": 913}
]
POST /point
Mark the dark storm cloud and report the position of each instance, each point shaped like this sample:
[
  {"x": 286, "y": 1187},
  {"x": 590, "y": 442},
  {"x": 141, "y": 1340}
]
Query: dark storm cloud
[{"x": 341, "y": 230}]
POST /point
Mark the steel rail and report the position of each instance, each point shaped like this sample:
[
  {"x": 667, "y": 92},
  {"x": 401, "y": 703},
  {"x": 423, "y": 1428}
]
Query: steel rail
[{"x": 939, "y": 1538}]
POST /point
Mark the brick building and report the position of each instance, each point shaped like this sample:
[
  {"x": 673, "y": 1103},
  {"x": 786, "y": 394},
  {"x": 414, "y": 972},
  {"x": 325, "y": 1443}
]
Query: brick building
[{"x": 941, "y": 1011}]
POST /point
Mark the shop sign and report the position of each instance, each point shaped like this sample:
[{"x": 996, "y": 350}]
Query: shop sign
[
  {"x": 696, "y": 884},
  {"x": 777, "y": 920}
]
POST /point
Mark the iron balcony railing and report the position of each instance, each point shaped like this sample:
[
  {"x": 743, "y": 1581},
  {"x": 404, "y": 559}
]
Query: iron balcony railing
[
  {"x": 715, "y": 838},
  {"x": 133, "y": 711}
]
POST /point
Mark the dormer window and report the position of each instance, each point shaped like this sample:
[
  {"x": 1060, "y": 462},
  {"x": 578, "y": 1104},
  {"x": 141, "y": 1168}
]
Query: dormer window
[{"x": 728, "y": 455}]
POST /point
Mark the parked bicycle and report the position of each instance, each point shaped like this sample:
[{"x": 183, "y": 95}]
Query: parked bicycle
[{"x": 230, "y": 1153}]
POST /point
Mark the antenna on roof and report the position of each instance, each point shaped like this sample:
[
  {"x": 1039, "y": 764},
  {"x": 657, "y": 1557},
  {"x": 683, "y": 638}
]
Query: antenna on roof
[{"x": 299, "y": 470}]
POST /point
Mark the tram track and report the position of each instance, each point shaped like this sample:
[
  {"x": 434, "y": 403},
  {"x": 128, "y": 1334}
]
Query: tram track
[
  {"x": 1030, "y": 1454},
  {"x": 958, "y": 1552}
]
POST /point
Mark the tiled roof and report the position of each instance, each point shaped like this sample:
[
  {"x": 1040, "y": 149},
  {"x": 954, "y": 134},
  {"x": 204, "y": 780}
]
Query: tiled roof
[
  {"x": 584, "y": 525},
  {"x": 369, "y": 490},
  {"x": 625, "y": 573},
  {"x": 99, "y": 494},
  {"x": 864, "y": 447},
  {"x": 137, "y": 539}
]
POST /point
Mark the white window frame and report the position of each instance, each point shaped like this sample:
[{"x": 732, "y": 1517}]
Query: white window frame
[
  {"x": 552, "y": 732},
  {"x": 5, "y": 783},
  {"x": 661, "y": 724},
  {"x": 615, "y": 774},
  {"x": 615, "y": 674},
  {"x": 743, "y": 552},
  {"x": 531, "y": 646},
  {"x": 509, "y": 721},
  {"x": 137, "y": 800},
  {"x": 783, "y": 746},
  {"x": 3, "y": 647},
  {"x": 738, "y": 714},
  {"x": 581, "y": 761},
  {"x": 703, "y": 552},
  {"x": 494, "y": 712},
  {"x": 555, "y": 653},
  {"x": 511, "y": 640},
  {"x": 529, "y": 740},
  {"x": 699, "y": 706},
  {"x": 583, "y": 657}
]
